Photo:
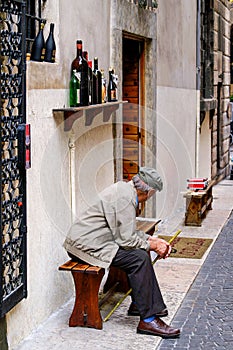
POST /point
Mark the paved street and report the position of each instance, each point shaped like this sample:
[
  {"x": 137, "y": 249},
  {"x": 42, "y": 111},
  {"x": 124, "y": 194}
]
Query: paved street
[
  {"x": 198, "y": 294},
  {"x": 206, "y": 314}
]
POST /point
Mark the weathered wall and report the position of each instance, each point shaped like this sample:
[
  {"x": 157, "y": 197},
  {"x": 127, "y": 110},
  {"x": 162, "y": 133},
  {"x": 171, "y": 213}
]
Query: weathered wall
[
  {"x": 176, "y": 101},
  {"x": 48, "y": 181},
  {"x": 53, "y": 184}
]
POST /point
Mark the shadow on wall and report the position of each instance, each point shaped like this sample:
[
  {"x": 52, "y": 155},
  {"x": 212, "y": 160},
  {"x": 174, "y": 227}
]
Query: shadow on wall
[{"x": 3, "y": 331}]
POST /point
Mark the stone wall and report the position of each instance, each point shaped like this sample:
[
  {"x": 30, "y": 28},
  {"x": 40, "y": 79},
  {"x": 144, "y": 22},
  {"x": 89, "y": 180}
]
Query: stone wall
[{"x": 221, "y": 78}]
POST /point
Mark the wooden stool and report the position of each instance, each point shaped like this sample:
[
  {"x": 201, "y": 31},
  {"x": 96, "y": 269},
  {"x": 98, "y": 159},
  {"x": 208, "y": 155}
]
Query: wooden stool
[{"x": 87, "y": 281}]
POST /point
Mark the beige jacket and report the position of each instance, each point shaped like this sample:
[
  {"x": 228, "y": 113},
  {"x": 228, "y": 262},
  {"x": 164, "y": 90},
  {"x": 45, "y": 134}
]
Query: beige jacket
[{"x": 107, "y": 225}]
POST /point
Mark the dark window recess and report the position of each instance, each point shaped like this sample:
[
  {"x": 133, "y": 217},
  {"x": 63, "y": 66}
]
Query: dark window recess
[
  {"x": 33, "y": 20},
  {"x": 207, "y": 51},
  {"x": 150, "y": 4}
]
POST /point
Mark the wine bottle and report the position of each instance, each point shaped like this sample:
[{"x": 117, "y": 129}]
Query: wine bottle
[
  {"x": 98, "y": 82},
  {"x": 94, "y": 88},
  {"x": 81, "y": 67},
  {"x": 50, "y": 46},
  {"x": 112, "y": 93},
  {"x": 90, "y": 77},
  {"x": 104, "y": 89},
  {"x": 74, "y": 90},
  {"x": 38, "y": 46}
]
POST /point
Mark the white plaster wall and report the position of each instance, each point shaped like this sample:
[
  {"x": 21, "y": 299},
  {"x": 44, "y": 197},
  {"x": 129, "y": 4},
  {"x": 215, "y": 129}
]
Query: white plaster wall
[
  {"x": 88, "y": 20},
  {"x": 94, "y": 160},
  {"x": 176, "y": 147},
  {"x": 177, "y": 43},
  {"x": 176, "y": 102}
]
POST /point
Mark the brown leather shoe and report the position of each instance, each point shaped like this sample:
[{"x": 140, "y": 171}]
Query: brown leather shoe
[
  {"x": 133, "y": 311},
  {"x": 159, "y": 328}
]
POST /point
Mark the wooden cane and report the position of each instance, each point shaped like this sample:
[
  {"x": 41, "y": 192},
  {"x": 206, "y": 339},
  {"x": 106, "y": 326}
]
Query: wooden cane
[{"x": 130, "y": 290}]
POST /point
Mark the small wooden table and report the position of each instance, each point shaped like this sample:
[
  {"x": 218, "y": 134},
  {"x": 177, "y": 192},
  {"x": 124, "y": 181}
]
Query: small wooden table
[
  {"x": 146, "y": 225},
  {"x": 197, "y": 204}
]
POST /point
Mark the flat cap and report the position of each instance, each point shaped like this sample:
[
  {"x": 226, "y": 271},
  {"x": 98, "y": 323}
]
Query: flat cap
[{"x": 151, "y": 177}]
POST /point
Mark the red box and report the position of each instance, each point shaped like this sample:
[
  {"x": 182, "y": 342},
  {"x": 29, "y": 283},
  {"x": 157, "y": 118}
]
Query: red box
[{"x": 197, "y": 183}]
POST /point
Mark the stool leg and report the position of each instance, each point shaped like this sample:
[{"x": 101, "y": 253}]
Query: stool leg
[{"x": 86, "y": 309}]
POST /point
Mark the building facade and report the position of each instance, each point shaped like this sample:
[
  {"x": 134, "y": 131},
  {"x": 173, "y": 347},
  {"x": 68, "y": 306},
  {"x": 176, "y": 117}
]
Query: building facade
[
  {"x": 72, "y": 159},
  {"x": 173, "y": 64},
  {"x": 192, "y": 95}
]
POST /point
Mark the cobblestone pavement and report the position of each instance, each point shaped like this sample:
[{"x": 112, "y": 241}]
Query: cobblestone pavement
[{"x": 206, "y": 313}]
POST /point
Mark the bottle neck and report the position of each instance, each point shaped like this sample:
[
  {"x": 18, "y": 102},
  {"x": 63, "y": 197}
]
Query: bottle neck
[
  {"x": 51, "y": 28},
  {"x": 95, "y": 64},
  {"x": 79, "y": 50}
]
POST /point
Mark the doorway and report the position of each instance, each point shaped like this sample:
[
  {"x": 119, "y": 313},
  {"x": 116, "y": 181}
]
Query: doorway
[{"x": 133, "y": 112}]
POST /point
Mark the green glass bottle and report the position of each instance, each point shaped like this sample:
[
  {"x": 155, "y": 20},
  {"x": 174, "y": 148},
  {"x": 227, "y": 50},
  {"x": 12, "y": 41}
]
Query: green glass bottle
[{"x": 74, "y": 90}]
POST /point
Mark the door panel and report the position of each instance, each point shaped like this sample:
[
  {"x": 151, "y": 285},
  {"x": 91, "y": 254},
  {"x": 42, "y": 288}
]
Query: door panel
[
  {"x": 130, "y": 129},
  {"x": 130, "y": 153},
  {"x": 129, "y": 168},
  {"x": 131, "y": 141}
]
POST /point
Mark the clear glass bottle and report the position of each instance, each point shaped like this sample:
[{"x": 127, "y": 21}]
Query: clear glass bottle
[
  {"x": 112, "y": 89},
  {"x": 104, "y": 87}
]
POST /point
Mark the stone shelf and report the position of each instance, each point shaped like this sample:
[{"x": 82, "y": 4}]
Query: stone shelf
[{"x": 70, "y": 114}]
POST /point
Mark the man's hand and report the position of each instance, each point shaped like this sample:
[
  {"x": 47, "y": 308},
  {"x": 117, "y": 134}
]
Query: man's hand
[{"x": 160, "y": 246}]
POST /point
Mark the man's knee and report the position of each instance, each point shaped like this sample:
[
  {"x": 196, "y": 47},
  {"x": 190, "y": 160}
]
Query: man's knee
[
  {"x": 129, "y": 258},
  {"x": 143, "y": 256}
]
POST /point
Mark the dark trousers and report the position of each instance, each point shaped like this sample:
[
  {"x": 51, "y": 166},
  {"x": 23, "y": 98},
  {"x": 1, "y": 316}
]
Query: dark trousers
[
  {"x": 145, "y": 289},
  {"x": 139, "y": 269}
]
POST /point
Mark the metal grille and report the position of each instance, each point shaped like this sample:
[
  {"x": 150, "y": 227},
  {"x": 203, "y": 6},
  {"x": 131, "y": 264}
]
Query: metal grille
[
  {"x": 33, "y": 20},
  {"x": 207, "y": 54},
  {"x": 146, "y": 4},
  {"x": 13, "y": 180}
]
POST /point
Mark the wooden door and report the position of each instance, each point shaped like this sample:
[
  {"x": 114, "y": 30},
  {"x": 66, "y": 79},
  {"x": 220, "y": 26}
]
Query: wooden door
[{"x": 133, "y": 93}]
